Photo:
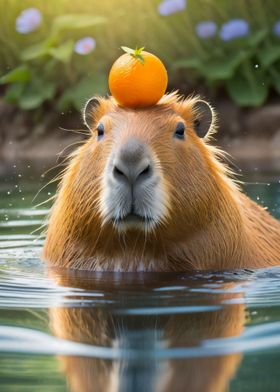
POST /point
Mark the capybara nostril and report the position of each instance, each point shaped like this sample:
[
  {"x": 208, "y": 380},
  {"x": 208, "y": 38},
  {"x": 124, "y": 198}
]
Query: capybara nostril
[
  {"x": 145, "y": 172},
  {"x": 118, "y": 172}
]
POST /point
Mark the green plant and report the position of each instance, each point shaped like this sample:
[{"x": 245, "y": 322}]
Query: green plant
[
  {"x": 34, "y": 81},
  {"x": 232, "y": 45}
]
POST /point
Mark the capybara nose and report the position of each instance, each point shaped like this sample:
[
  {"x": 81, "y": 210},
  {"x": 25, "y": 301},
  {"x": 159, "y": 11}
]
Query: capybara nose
[{"x": 132, "y": 163}]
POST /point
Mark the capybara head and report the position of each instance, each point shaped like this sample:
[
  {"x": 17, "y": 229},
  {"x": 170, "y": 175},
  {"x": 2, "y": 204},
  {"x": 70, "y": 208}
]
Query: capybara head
[
  {"x": 147, "y": 167},
  {"x": 143, "y": 175}
]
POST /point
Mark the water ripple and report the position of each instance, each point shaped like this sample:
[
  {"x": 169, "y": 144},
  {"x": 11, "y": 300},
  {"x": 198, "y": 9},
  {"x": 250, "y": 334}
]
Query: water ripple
[{"x": 253, "y": 339}]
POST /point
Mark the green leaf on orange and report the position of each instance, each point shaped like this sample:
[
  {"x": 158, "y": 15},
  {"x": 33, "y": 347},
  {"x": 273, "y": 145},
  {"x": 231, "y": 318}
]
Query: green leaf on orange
[{"x": 136, "y": 53}]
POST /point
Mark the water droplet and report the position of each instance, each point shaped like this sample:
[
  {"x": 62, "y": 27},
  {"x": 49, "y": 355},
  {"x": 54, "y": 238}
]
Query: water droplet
[
  {"x": 256, "y": 65},
  {"x": 19, "y": 175},
  {"x": 258, "y": 197},
  {"x": 8, "y": 193}
]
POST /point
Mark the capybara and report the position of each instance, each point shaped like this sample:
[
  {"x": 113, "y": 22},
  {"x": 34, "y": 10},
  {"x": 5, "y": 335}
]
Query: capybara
[{"x": 148, "y": 192}]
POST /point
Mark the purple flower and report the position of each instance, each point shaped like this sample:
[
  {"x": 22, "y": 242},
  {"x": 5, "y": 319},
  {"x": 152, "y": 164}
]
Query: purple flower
[
  {"x": 168, "y": 7},
  {"x": 85, "y": 45},
  {"x": 28, "y": 21},
  {"x": 276, "y": 28},
  {"x": 235, "y": 28},
  {"x": 206, "y": 29}
]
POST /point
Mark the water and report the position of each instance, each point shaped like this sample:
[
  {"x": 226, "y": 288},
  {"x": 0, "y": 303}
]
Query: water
[{"x": 70, "y": 330}]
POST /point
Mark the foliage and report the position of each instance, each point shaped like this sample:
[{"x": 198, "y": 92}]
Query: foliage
[{"x": 62, "y": 54}]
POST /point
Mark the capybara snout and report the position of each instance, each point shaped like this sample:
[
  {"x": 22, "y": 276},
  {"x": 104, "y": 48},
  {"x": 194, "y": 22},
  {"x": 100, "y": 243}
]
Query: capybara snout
[{"x": 130, "y": 181}]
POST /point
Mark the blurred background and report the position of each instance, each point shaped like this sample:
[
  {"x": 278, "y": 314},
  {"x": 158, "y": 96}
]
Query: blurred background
[{"x": 56, "y": 54}]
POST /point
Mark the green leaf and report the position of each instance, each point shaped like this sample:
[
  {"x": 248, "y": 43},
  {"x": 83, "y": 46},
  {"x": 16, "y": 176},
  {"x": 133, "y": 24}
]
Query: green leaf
[
  {"x": 216, "y": 69},
  {"x": 63, "y": 52},
  {"x": 35, "y": 51},
  {"x": 257, "y": 37},
  {"x": 136, "y": 53},
  {"x": 128, "y": 50},
  {"x": 77, "y": 95},
  {"x": 76, "y": 21},
  {"x": 140, "y": 58},
  {"x": 49, "y": 92},
  {"x": 225, "y": 68},
  {"x": 14, "y": 92},
  {"x": 269, "y": 55},
  {"x": 35, "y": 93},
  {"x": 247, "y": 91},
  {"x": 19, "y": 74},
  {"x": 31, "y": 100},
  {"x": 50, "y": 67},
  {"x": 193, "y": 63},
  {"x": 66, "y": 100},
  {"x": 139, "y": 51}
]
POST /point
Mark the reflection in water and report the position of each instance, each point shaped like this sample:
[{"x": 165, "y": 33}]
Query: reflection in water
[{"x": 145, "y": 333}]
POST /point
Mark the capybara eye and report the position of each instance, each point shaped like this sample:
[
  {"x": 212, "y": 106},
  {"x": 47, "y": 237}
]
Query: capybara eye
[
  {"x": 100, "y": 131},
  {"x": 180, "y": 130}
]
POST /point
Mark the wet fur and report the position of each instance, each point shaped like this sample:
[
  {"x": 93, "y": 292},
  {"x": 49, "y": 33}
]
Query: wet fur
[{"x": 209, "y": 223}]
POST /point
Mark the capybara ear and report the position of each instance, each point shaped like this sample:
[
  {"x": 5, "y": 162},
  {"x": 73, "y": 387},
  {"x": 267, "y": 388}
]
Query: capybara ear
[
  {"x": 203, "y": 118},
  {"x": 89, "y": 112}
]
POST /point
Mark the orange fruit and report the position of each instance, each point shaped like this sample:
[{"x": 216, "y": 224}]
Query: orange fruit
[{"x": 137, "y": 78}]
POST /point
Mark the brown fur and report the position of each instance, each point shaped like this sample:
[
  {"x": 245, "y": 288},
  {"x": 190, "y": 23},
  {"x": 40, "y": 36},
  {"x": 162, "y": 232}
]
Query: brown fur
[{"x": 210, "y": 223}]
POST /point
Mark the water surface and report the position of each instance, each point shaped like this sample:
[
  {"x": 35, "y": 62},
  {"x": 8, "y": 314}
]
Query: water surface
[{"x": 68, "y": 330}]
